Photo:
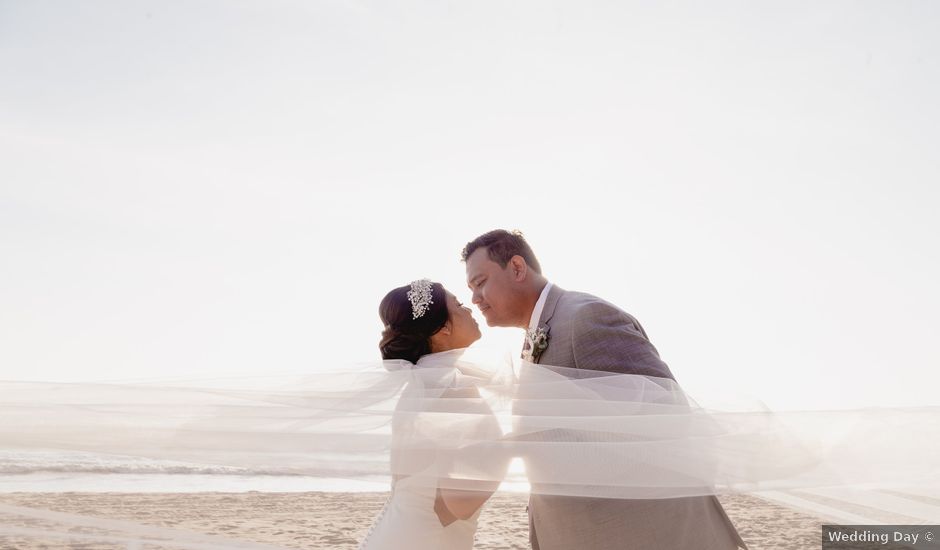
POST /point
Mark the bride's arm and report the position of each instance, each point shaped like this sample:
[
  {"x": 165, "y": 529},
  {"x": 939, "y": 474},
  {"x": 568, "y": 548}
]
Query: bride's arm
[{"x": 452, "y": 504}]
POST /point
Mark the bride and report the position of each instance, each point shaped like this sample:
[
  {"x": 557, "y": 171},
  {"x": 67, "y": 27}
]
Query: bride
[{"x": 428, "y": 327}]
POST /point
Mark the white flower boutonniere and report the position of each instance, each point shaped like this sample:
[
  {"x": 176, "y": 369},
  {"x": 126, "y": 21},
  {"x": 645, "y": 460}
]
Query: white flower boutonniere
[{"x": 536, "y": 342}]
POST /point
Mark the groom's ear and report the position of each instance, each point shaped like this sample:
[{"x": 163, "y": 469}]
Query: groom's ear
[{"x": 518, "y": 268}]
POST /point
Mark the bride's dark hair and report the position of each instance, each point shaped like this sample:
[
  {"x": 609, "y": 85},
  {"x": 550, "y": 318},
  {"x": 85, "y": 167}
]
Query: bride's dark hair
[{"x": 405, "y": 337}]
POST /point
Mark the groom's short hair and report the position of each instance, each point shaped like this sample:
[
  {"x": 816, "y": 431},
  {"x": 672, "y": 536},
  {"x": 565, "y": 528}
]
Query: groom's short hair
[{"x": 501, "y": 246}]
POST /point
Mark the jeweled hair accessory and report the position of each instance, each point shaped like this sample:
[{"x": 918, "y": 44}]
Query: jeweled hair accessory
[{"x": 420, "y": 297}]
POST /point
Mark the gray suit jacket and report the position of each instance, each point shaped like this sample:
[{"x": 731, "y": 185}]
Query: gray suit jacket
[{"x": 587, "y": 332}]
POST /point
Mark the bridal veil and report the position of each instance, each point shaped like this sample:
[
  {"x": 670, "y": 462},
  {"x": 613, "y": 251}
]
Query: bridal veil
[{"x": 459, "y": 421}]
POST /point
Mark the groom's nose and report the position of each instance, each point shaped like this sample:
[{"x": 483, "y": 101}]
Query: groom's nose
[{"x": 476, "y": 297}]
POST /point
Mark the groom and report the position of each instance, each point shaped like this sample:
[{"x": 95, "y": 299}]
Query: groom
[{"x": 586, "y": 332}]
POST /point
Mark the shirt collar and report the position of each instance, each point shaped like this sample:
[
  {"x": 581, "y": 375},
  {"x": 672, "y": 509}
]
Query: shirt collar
[{"x": 539, "y": 306}]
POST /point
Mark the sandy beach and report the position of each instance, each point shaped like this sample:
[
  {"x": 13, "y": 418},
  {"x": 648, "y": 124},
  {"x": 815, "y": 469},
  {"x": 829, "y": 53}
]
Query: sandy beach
[{"x": 338, "y": 520}]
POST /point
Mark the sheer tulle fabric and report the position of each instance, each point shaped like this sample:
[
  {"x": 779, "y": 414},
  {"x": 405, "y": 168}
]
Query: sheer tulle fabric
[{"x": 457, "y": 421}]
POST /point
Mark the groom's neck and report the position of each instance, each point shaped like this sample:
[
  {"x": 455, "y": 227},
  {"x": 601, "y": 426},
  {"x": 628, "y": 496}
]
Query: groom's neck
[{"x": 530, "y": 298}]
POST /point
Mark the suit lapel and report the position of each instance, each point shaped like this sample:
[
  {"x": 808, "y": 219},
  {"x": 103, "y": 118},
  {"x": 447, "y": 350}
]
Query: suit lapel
[{"x": 554, "y": 294}]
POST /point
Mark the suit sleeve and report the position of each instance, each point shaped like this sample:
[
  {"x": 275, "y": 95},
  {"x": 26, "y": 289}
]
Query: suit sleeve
[{"x": 608, "y": 339}]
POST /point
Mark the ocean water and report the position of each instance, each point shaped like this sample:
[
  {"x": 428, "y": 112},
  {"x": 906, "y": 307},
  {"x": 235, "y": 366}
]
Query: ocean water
[{"x": 57, "y": 471}]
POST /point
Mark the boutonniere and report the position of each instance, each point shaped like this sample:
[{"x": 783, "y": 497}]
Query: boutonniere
[{"x": 538, "y": 342}]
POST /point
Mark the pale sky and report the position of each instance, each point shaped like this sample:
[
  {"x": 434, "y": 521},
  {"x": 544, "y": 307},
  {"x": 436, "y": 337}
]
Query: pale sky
[{"x": 210, "y": 188}]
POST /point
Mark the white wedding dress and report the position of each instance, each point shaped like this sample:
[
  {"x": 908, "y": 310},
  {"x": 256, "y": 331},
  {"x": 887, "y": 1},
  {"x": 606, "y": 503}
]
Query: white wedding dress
[{"x": 408, "y": 522}]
